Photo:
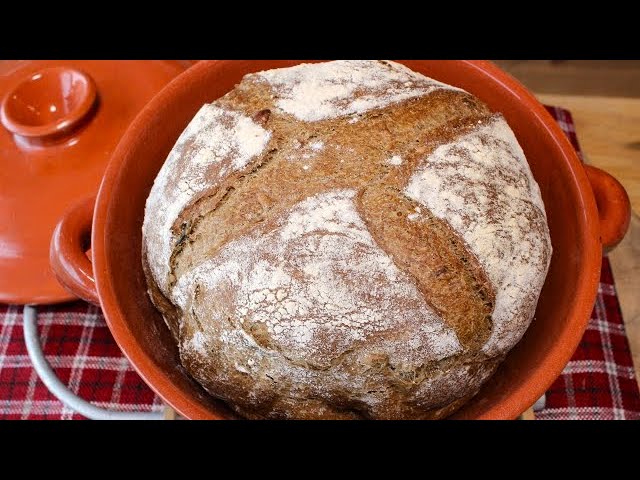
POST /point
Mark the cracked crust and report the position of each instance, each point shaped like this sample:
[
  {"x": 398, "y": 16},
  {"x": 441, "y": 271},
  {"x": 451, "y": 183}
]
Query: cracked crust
[{"x": 309, "y": 280}]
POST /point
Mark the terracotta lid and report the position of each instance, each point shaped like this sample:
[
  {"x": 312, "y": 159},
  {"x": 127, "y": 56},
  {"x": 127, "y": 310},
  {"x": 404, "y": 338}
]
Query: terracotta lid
[{"x": 60, "y": 121}]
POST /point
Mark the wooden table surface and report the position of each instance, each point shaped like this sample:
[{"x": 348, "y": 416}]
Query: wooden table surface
[{"x": 608, "y": 130}]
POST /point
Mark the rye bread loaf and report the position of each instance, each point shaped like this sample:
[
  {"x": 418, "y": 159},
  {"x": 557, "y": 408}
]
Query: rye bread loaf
[{"x": 345, "y": 240}]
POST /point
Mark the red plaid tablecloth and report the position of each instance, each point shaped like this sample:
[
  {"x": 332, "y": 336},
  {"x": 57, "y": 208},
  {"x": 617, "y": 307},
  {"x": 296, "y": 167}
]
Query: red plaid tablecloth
[{"x": 598, "y": 383}]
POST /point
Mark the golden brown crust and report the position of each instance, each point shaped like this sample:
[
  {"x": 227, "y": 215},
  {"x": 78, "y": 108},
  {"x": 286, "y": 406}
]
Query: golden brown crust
[
  {"x": 451, "y": 280},
  {"x": 272, "y": 183},
  {"x": 390, "y": 371}
]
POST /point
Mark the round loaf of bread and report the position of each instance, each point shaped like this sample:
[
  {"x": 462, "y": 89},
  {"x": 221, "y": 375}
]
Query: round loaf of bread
[{"x": 345, "y": 239}]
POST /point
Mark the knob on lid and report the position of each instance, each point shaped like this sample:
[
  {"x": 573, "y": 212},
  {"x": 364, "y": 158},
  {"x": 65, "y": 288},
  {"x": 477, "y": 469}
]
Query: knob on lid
[{"x": 49, "y": 103}]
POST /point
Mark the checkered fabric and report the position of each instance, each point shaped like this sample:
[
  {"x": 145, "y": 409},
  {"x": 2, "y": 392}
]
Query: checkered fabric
[
  {"x": 81, "y": 350},
  {"x": 598, "y": 382}
]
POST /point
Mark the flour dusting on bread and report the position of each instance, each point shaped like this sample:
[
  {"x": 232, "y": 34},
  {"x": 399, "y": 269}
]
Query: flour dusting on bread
[
  {"x": 215, "y": 143},
  {"x": 482, "y": 186},
  {"x": 312, "y": 282},
  {"x": 312, "y": 92}
]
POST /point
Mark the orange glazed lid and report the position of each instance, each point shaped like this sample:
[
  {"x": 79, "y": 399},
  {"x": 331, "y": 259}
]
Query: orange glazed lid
[{"x": 59, "y": 123}]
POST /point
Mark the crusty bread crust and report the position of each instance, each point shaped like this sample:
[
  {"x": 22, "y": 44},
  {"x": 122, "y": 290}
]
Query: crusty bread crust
[{"x": 304, "y": 264}]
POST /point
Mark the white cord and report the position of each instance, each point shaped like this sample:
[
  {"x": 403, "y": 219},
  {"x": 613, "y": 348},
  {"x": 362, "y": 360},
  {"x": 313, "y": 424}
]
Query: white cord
[
  {"x": 540, "y": 403},
  {"x": 57, "y": 388}
]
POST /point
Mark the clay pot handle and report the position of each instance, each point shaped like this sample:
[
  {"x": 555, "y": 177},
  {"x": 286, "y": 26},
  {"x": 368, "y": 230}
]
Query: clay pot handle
[
  {"x": 71, "y": 239},
  {"x": 614, "y": 207}
]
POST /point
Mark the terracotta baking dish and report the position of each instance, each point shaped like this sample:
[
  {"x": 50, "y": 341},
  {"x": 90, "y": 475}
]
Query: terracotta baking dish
[{"x": 572, "y": 194}]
